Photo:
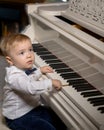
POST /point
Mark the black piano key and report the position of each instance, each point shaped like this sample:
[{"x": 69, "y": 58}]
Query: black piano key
[
  {"x": 76, "y": 81},
  {"x": 97, "y": 103},
  {"x": 96, "y": 99},
  {"x": 60, "y": 65},
  {"x": 53, "y": 61},
  {"x": 83, "y": 86},
  {"x": 91, "y": 93},
  {"x": 48, "y": 57},
  {"x": 86, "y": 84},
  {"x": 64, "y": 70},
  {"x": 39, "y": 49},
  {"x": 44, "y": 53},
  {"x": 70, "y": 75},
  {"x": 101, "y": 109},
  {"x": 80, "y": 89},
  {"x": 37, "y": 45}
]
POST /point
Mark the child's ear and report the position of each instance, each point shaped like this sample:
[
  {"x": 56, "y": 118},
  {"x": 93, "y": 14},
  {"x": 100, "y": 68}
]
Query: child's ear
[{"x": 9, "y": 60}]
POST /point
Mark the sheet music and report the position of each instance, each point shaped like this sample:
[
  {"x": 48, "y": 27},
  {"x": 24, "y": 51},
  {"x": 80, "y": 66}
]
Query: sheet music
[{"x": 91, "y": 9}]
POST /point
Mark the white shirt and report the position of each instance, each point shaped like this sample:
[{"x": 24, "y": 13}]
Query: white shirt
[{"x": 22, "y": 92}]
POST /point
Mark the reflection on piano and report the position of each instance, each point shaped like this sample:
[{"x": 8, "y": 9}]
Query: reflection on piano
[{"x": 69, "y": 37}]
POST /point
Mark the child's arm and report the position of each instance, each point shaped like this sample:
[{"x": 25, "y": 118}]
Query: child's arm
[
  {"x": 55, "y": 83},
  {"x": 46, "y": 69}
]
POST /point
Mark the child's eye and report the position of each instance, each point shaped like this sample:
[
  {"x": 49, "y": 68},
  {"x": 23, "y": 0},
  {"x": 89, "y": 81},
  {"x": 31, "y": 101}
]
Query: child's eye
[
  {"x": 21, "y": 53},
  {"x": 31, "y": 49}
]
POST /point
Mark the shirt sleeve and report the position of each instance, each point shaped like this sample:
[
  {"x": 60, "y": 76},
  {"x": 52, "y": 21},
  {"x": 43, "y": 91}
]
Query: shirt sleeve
[
  {"x": 38, "y": 73},
  {"x": 26, "y": 84}
]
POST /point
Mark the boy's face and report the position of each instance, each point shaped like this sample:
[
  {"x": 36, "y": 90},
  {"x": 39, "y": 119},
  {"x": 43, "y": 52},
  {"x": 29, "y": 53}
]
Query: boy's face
[{"x": 22, "y": 55}]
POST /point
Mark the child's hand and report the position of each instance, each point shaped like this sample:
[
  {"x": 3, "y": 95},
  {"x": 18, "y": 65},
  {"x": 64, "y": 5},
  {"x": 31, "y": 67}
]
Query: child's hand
[
  {"x": 46, "y": 69},
  {"x": 56, "y": 84}
]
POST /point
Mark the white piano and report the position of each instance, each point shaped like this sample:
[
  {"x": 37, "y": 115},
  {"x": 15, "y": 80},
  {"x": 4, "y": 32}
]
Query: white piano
[{"x": 69, "y": 37}]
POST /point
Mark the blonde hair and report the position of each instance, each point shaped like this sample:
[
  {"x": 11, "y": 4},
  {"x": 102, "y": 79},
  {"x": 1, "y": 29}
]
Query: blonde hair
[{"x": 8, "y": 42}]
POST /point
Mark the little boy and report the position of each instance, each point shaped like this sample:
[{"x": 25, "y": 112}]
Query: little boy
[{"x": 22, "y": 107}]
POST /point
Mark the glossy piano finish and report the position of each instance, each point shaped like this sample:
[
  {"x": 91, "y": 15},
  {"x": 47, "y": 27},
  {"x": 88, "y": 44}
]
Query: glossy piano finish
[{"x": 78, "y": 61}]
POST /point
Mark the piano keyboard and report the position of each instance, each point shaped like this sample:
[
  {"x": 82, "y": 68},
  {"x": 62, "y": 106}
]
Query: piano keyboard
[{"x": 78, "y": 89}]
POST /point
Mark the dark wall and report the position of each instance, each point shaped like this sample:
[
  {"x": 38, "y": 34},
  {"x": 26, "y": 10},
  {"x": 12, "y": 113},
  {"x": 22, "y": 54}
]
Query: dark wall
[{"x": 12, "y": 14}]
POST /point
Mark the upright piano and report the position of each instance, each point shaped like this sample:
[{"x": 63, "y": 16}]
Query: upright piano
[{"x": 69, "y": 37}]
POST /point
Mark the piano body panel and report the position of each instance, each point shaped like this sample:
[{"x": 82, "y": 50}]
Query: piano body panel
[{"x": 81, "y": 52}]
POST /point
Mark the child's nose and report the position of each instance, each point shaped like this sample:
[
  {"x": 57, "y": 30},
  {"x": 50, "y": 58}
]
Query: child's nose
[{"x": 28, "y": 54}]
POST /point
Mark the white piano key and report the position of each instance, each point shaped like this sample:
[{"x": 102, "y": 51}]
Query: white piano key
[{"x": 84, "y": 105}]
